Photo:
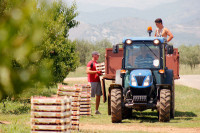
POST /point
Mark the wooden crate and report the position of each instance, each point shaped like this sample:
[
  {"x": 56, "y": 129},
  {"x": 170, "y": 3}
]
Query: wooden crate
[
  {"x": 85, "y": 103},
  {"x": 85, "y": 113},
  {"x": 101, "y": 67},
  {"x": 75, "y": 92},
  {"x": 50, "y": 114},
  {"x": 75, "y": 117}
]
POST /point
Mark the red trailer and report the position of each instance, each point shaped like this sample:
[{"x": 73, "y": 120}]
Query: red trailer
[{"x": 113, "y": 62}]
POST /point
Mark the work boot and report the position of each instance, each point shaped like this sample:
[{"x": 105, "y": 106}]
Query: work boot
[{"x": 97, "y": 112}]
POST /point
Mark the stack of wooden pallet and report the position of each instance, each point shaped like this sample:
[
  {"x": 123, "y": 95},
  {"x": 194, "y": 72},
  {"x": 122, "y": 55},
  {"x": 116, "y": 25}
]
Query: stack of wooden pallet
[
  {"x": 101, "y": 67},
  {"x": 85, "y": 104},
  {"x": 75, "y": 92},
  {"x": 50, "y": 115}
]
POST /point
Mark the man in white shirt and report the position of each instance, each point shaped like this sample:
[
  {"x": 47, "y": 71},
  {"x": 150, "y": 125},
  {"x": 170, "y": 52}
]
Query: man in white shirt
[{"x": 162, "y": 31}]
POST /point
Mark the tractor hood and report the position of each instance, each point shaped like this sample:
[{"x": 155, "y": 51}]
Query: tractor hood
[{"x": 141, "y": 78}]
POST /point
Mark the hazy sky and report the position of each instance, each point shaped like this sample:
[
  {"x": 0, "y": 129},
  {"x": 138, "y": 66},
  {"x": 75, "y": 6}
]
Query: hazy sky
[{"x": 138, "y": 4}]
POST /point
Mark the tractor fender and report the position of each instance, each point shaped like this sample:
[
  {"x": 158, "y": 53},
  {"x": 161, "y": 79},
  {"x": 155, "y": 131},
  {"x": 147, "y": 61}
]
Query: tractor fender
[
  {"x": 168, "y": 77},
  {"x": 118, "y": 79},
  {"x": 115, "y": 86}
]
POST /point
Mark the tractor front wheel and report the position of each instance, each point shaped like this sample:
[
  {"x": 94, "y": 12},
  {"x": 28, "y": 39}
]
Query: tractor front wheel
[
  {"x": 165, "y": 105},
  {"x": 116, "y": 105}
]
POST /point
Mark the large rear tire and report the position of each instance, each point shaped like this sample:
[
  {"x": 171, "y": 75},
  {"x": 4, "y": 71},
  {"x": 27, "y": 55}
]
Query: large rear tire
[
  {"x": 172, "y": 111},
  {"x": 165, "y": 105},
  {"x": 116, "y": 105}
]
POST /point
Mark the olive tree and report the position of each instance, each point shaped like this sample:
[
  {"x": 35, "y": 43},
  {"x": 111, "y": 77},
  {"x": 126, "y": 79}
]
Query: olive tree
[{"x": 189, "y": 55}]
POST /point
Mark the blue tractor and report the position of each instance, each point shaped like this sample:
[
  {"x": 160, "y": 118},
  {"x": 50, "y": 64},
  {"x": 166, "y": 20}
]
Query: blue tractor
[{"x": 143, "y": 82}]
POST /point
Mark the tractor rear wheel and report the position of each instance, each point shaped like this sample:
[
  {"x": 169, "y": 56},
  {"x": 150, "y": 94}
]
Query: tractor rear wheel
[
  {"x": 116, "y": 105},
  {"x": 165, "y": 105}
]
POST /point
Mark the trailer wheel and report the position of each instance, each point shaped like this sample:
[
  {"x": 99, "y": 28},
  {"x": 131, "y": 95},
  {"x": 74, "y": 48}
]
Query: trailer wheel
[
  {"x": 109, "y": 107},
  {"x": 116, "y": 105},
  {"x": 172, "y": 110},
  {"x": 164, "y": 109}
]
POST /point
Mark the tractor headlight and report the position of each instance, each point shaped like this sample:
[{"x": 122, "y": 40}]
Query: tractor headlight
[
  {"x": 133, "y": 81},
  {"x": 147, "y": 80},
  {"x": 156, "y": 42},
  {"x": 128, "y": 41}
]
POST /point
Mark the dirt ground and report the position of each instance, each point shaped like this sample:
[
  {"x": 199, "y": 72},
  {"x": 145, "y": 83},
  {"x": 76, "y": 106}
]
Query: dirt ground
[
  {"x": 137, "y": 127},
  {"x": 189, "y": 80}
]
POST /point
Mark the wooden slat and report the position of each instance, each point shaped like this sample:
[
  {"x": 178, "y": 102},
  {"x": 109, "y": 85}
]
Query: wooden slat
[
  {"x": 50, "y": 107},
  {"x": 51, "y": 120},
  {"x": 50, "y": 100},
  {"x": 50, "y": 114},
  {"x": 50, "y": 127},
  {"x": 85, "y": 110}
]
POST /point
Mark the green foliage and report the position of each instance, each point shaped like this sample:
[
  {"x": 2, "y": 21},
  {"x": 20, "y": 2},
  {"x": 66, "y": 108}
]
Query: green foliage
[
  {"x": 85, "y": 48},
  {"x": 34, "y": 45},
  {"x": 19, "y": 33},
  {"x": 189, "y": 55}
]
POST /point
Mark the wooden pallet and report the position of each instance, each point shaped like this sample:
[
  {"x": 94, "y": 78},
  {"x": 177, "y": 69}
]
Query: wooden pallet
[
  {"x": 75, "y": 92},
  {"x": 48, "y": 108},
  {"x": 69, "y": 88},
  {"x": 85, "y": 103},
  {"x": 51, "y": 114},
  {"x": 50, "y": 100}
]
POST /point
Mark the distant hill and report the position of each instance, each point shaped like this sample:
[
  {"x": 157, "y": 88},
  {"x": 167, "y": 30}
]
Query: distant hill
[{"x": 181, "y": 17}]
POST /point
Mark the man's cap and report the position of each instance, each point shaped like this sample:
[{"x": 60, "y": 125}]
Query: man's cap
[{"x": 95, "y": 53}]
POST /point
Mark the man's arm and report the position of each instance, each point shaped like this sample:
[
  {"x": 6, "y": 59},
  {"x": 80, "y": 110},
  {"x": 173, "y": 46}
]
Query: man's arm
[{"x": 169, "y": 34}]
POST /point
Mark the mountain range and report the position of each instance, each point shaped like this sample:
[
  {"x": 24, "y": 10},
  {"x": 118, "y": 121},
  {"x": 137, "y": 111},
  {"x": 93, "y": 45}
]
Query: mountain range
[{"x": 181, "y": 17}]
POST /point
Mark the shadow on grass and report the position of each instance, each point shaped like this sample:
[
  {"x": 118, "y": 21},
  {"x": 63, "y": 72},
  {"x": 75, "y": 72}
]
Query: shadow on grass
[
  {"x": 152, "y": 117},
  {"x": 185, "y": 114}
]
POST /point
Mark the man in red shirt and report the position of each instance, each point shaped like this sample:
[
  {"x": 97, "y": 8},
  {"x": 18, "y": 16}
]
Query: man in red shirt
[{"x": 93, "y": 78}]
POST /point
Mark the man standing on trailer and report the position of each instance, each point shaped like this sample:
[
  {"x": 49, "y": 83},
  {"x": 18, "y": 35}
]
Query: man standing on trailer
[
  {"x": 162, "y": 31},
  {"x": 93, "y": 78}
]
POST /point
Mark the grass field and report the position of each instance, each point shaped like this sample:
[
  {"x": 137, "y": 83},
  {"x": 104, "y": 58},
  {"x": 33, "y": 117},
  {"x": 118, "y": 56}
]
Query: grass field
[{"x": 15, "y": 114}]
